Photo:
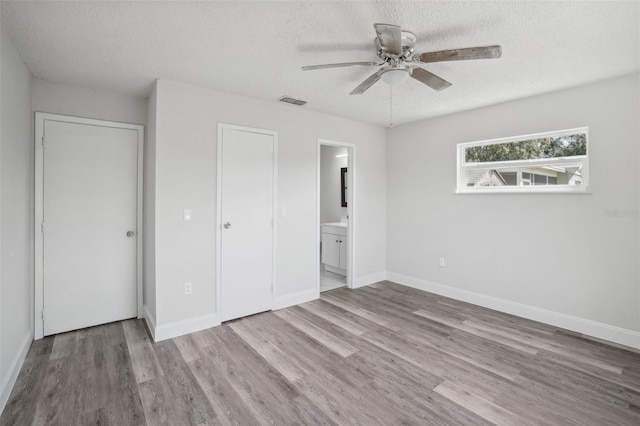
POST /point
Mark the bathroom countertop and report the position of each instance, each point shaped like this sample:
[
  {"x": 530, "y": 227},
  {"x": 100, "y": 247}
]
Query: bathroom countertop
[{"x": 341, "y": 224}]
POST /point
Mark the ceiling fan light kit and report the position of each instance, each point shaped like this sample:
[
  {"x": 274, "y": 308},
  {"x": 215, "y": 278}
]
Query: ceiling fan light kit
[
  {"x": 395, "y": 48},
  {"x": 394, "y": 76}
]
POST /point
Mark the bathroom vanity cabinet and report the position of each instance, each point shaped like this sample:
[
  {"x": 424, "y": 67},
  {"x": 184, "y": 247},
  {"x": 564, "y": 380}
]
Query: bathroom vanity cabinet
[{"x": 334, "y": 247}]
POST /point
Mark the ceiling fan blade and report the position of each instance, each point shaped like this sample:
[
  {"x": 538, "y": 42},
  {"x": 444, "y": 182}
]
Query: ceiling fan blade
[
  {"x": 390, "y": 37},
  {"x": 365, "y": 84},
  {"x": 431, "y": 80},
  {"x": 483, "y": 52},
  {"x": 343, "y": 64}
]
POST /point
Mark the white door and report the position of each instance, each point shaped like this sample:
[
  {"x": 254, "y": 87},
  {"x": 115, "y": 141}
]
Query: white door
[
  {"x": 89, "y": 214},
  {"x": 246, "y": 217}
]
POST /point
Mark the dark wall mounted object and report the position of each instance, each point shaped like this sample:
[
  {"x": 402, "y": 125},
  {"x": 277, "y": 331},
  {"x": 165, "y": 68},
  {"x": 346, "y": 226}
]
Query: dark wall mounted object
[{"x": 343, "y": 186}]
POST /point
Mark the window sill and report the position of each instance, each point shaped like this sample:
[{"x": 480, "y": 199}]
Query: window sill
[{"x": 529, "y": 190}]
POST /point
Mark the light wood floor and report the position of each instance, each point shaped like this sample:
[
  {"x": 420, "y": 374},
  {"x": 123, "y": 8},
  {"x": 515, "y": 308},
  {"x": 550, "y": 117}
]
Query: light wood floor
[{"x": 379, "y": 355}]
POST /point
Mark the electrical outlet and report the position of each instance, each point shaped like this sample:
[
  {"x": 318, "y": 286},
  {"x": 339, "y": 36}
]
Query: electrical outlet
[
  {"x": 188, "y": 288},
  {"x": 441, "y": 262}
]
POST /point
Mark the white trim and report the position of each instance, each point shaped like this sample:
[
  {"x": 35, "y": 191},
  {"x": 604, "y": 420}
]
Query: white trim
[
  {"x": 151, "y": 322},
  {"x": 14, "y": 370},
  {"x": 351, "y": 208},
  {"x": 40, "y": 118},
  {"x": 526, "y": 165},
  {"x": 518, "y": 138},
  {"x": 581, "y": 325},
  {"x": 274, "y": 134},
  {"x": 335, "y": 270},
  {"x": 369, "y": 279},
  {"x": 182, "y": 327},
  {"x": 296, "y": 298},
  {"x": 555, "y": 189}
]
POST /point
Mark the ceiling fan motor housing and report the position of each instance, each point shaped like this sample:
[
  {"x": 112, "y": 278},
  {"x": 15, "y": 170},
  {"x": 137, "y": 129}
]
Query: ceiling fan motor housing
[{"x": 407, "y": 43}]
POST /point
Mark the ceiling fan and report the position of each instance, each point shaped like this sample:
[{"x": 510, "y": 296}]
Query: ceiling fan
[{"x": 395, "y": 48}]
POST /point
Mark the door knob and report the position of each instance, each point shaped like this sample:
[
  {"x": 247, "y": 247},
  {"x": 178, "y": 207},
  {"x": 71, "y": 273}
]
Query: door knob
[
  {"x": 227, "y": 225},
  {"x": 130, "y": 233}
]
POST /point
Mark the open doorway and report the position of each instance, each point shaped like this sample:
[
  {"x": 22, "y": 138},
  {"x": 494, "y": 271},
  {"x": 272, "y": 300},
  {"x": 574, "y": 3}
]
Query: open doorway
[{"x": 335, "y": 214}]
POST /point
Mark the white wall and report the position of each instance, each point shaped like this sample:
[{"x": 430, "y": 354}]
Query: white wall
[
  {"x": 3, "y": 391},
  {"x": 150, "y": 210},
  {"x": 560, "y": 253},
  {"x": 331, "y": 209},
  {"x": 16, "y": 217},
  {"x": 88, "y": 103},
  {"x": 187, "y": 119}
]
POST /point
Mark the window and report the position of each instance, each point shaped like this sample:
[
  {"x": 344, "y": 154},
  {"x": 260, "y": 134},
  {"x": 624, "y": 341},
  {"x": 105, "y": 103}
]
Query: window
[{"x": 543, "y": 162}]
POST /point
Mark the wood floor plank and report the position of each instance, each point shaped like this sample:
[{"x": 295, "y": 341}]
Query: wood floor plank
[
  {"x": 188, "y": 347},
  {"x": 224, "y": 399},
  {"x": 274, "y": 355},
  {"x": 64, "y": 345},
  {"x": 381, "y": 355},
  {"x": 345, "y": 315},
  {"x": 347, "y": 306},
  {"x": 546, "y": 343},
  {"x": 401, "y": 320},
  {"x": 559, "y": 403},
  {"x": 245, "y": 369},
  {"x": 307, "y": 353},
  {"x": 437, "y": 362},
  {"x": 190, "y": 399},
  {"x": 421, "y": 406},
  {"x": 124, "y": 405},
  {"x": 332, "y": 342},
  {"x": 143, "y": 357},
  {"x": 335, "y": 393},
  {"x": 56, "y": 392},
  {"x": 26, "y": 393},
  {"x": 480, "y": 406},
  {"x": 484, "y": 334},
  {"x": 159, "y": 404},
  {"x": 345, "y": 323}
]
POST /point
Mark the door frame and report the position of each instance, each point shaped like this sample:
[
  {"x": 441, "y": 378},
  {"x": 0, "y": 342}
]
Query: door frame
[
  {"x": 351, "y": 208},
  {"x": 40, "y": 119},
  {"x": 218, "y": 229}
]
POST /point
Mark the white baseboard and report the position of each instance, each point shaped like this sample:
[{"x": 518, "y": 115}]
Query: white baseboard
[
  {"x": 295, "y": 298},
  {"x": 369, "y": 279},
  {"x": 182, "y": 327},
  {"x": 151, "y": 322},
  {"x": 14, "y": 370},
  {"x": 335, "y": 270},
  {"x": 611, "y": 333}
]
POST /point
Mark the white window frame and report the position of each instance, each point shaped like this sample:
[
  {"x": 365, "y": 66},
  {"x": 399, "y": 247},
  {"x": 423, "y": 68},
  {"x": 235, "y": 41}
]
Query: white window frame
[{"x": 463, "y": 167}]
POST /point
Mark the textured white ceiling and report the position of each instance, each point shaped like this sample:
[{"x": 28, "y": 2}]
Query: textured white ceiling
[{"x": 256, "y": 49}]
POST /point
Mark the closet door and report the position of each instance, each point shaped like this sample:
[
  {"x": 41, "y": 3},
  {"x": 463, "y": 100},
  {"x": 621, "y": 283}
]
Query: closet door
[{"x": 246, "y": 222}]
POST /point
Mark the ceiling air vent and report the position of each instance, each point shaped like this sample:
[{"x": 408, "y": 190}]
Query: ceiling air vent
[{"x": 288, "y": 100}]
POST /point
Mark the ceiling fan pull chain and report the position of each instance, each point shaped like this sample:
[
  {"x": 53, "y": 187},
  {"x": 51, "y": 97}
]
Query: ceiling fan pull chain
[{"x": 390, "y": 106}]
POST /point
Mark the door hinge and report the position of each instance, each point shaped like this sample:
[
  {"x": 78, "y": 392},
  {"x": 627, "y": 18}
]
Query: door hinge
[
  {"x": 42, "y": 228},
  {"x": 42, "y": 314},
  {"x": 43, "y": 140}
]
